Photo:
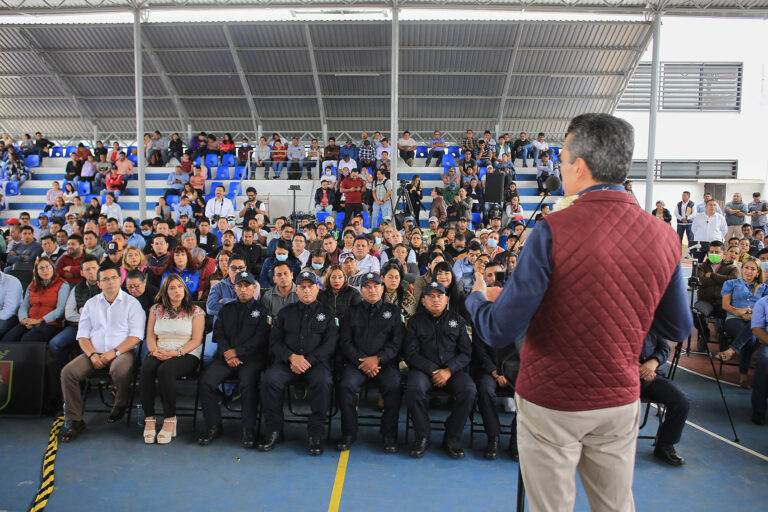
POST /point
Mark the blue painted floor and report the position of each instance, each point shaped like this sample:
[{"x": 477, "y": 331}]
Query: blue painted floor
[{"x": 110, "y": 468}]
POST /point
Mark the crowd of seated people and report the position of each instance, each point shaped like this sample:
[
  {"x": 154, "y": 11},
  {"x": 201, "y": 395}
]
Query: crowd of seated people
[{"x": 303, "y": 301}]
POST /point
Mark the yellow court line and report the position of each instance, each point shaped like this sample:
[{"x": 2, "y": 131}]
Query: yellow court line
[{"x": 338, "y": 483}]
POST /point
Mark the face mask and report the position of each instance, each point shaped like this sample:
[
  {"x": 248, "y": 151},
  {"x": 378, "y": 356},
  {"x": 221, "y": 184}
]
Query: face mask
[
  {"x": 492, "y": 242},
  {"x": 317, "y": 266},
  {"x": 764, "y": 264},
  {"x": 146, "y": 233},
  {"x": 281, "y": 257},
  {"x": 378, "y": 240},
  {"x": 715, "y": 258}
]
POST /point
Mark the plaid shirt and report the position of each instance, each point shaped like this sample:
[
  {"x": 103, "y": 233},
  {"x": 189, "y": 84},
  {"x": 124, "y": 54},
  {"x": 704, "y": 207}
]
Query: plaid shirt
[
  {"x": 469, "y": 143},
  {"x": 367, "y": 153}
]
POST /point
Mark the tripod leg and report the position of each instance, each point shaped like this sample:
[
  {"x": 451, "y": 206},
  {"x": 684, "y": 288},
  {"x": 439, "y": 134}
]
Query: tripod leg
[
  {"x": 520, "y": 489},
  {"x": 722, "y": 395}
]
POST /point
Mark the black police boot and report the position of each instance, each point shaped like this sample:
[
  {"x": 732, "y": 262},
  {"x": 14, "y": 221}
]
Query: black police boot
[
  {"x": 758, "y": 418},
  {"x": 390, "y": 444},
  {"x": 116, "y": 414},
  {"x": 492, "y": 448},
  {"x": 418, "y": 447},
  {"x": 268, "y": 441},
  {"x": 249, "y": 438},
  {"x": 667, "y": 453},
  {"x": 345, "y": 443},
  {"x": 315, "y": 446},
  {"x": 209, "y": 435},
  {"x": 453, "y": 447}
]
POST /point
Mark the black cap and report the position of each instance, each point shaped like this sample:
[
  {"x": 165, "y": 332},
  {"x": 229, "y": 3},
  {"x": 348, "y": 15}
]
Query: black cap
[
  {"x": 245, "y": 276},
  {"x": 370, "y": 276},
  {"x": 307, "y": 276},
  {"x": 113, "y": 248},
  {"x": 434, "y": 286}
]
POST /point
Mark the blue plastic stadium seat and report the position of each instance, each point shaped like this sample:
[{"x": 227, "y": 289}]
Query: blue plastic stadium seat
[
  {"x": 198, "y": 162},
  {"x": 234, "y": 189},
  {"x": 448, "y": 161},
  {"x": 70, "y": 150},
  {"x": 366, "y": 220},
  {"x": 228, "y": 160},
  {"x": 172, "y": 200},
  {"x": 222, "y": 172},
  {"x": 11, "y": 188},
  {"x": 57, "y": 152},
  {"x": 239, "y": 173},
  {"x": 321, "y": 216},
  {"x": 481, "y": 172},
  {"x": 215, "y": 184},
  {"x": 339, "y": 219},
  {"x": 211, "y": 160},
  {"x": 421, "y": 151},
  {"x": 33, "y": 161},
  {"x": 453, "y": 150},
  {"x": 477, "y": 219},
  {"x": 83, "y": 188}
]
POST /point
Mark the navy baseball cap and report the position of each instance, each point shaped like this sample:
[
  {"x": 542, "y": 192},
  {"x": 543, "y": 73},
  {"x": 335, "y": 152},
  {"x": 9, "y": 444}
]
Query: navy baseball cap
[
  {"x": 245, "y": 276},
  {"x": 370, "y": 276},
  {"x": 434, "y": 286},
  {"x": 307, "y": 276}
]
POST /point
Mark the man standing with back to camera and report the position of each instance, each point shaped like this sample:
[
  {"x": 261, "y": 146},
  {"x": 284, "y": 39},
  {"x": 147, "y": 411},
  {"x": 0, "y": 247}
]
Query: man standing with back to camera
[{"x": 578, "y": 389}]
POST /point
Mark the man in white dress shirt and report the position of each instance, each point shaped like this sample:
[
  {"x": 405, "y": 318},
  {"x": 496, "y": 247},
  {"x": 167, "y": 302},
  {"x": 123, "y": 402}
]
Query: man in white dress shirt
[
  {"x": 708, "y": 227},
  {"x": 111, "y": 325},
  {"x": 219, "y": 206}
]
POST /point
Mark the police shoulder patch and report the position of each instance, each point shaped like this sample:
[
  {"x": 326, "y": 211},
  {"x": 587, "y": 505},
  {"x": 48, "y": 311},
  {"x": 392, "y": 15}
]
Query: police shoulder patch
[{"x": 269, "y": 320}]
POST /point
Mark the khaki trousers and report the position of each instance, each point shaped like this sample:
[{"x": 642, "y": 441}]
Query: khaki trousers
[
  {"x": 733, "y": 231},
  {"x": 600, "y": 444},
  {"x": 120, "y": 370}
]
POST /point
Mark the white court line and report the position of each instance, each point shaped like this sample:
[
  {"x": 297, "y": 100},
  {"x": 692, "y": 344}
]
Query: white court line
[
  {"x": 721, "y": 438},
  {"x": 707, "y": 376}
]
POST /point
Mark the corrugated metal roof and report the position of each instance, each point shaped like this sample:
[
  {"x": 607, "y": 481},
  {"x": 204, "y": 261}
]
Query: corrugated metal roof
[
  {"x": 448, "y": 71},
  {"x": 275, "y": 61},
  {"x": 364, "y": 34}
]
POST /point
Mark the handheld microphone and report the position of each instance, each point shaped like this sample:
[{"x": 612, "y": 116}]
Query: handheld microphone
[{"x": 552, "y": 183}]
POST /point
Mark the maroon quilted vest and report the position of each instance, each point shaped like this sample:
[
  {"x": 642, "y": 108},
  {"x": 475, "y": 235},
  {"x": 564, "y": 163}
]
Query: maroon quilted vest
[{"x": 611, "y": 264}]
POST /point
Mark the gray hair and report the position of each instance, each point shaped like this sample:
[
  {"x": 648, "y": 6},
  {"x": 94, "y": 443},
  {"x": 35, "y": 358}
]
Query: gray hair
[
  {"x": 187, "y": 235},
  {"x": 197, "y": 253},
  {"x": 605, "y": 143}
]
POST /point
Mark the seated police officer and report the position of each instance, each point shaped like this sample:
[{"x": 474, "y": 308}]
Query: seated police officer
[
  {"x": 654, "y": 386},
  {"x": 241, "y": 332},
  {"x": 488, "y": 380},
  {"x": 438, "y": 351},
  {"x": 371, "y": 335},
  {"x": 303, "y": 340}
]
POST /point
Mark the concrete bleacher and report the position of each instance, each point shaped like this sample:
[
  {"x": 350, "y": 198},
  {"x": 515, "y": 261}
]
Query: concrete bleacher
[{"x": 275, "y": 193}]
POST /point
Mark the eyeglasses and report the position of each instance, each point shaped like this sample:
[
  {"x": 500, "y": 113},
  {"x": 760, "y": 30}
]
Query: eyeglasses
[
  {"x": 107, "y": 279},
  {"x": 133, "y": 286},
  {"x": 237, "y": 268},
  {"x": 44, "y": 267}
]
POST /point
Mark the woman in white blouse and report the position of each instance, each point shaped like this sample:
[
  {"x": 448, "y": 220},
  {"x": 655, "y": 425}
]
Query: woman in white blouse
[{"x": 174, "y": 337}]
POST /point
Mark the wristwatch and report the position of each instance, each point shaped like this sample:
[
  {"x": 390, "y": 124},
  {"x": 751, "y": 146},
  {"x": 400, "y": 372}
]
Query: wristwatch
[
  {"x": 117, "y": 352},
  {"x": 180, "y": 354}
]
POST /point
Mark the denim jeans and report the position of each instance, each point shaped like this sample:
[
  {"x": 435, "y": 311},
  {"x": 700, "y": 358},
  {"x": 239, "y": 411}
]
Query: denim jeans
[
  {"x": 60, "y": 343},
  {"x": 105, "y": 192},
  {"x": 435, "y": 153},
  {"x": 385, "y": 209},
  {"x": 743, "y": 341},
  {"x": 7, "y": 325},
  {"x": 525, "y": 152},
  {"x": 277, "y": 167}
]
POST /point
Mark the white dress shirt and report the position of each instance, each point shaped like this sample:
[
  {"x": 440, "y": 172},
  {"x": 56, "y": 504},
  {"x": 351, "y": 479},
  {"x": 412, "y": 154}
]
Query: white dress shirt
[
  {"x": 709, "y": 229},
  {"x": 113, "y": 211},
  {"x": 108, "y": 325},
  {"x": 223, "y": 208}
]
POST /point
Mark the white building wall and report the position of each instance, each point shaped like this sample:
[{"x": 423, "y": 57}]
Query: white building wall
[{"x": 741, "y": 136}]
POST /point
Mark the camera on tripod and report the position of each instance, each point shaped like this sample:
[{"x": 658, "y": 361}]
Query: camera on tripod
[{"x": 694, "y": 281}]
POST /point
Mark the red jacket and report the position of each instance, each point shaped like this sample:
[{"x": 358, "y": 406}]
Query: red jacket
[
  {"x": 603, "y": 294},
  {"x": 42, "y": 302},
  {"x": 66, "y": 260}
]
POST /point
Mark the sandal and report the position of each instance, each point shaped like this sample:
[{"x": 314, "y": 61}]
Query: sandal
[
  {"x": 149, "y": 433},
  {"x": 165, "y": 436},
  {"x": 725, "y": 355}
]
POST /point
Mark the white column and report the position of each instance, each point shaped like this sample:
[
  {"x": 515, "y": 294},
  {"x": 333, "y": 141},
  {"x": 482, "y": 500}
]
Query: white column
[
  {"x": 649, "y": 200},
  {"x": 138, "y": 79}
]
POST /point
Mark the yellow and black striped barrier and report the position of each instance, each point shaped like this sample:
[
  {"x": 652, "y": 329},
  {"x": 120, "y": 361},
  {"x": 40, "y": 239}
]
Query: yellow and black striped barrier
[{"x": 46, "y": 484}]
